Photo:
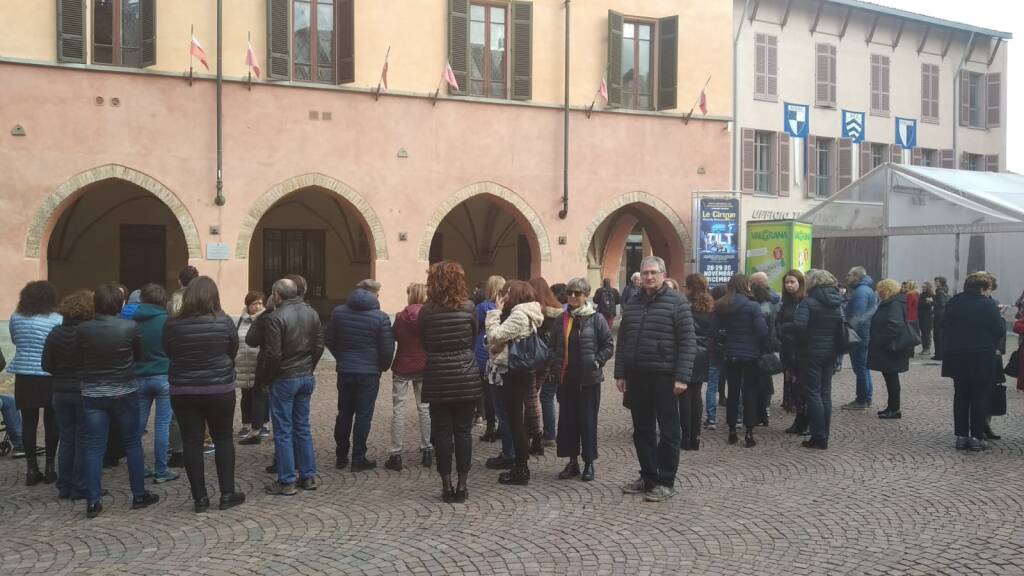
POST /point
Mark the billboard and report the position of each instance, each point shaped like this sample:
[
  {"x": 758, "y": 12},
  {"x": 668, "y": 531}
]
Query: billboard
[
  {"x": 718, "y": 257},
  {"x": 776, "y": 247}
]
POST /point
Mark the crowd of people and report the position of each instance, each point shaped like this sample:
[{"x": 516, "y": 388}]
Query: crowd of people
[{"x": 95, "y": 364}]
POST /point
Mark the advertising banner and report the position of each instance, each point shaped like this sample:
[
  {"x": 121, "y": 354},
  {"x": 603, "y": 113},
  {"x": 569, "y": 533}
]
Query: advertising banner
[
  {"x": 718, "y": 258},
  {"x": 776, "y": 247}
]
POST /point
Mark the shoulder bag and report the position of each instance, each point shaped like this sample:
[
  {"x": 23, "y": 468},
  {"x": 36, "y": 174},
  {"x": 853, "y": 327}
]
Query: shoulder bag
[{"x": 528, "y": 354}]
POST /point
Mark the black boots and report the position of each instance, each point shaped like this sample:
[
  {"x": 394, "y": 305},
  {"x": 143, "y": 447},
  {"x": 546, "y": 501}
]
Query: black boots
[
  {"x": 519, "y": 475},
  {"x": 33, "y": 476},
  {"x": 749, "y": 438},
  {"x": 50, "y": 475},
  {"x": 537, "y": 445},
  {"x": 733, "y": 438},
  {"x": 799, "y": 426}
]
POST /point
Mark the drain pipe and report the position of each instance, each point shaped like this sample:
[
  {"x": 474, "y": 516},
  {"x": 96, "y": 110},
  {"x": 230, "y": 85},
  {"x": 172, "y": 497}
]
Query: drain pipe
[
  {"x": 735, "y": 93},
  {"x": 957, "y": 103},
  {"x": 219, "y": 199},
  {"x": 565, "y": 125}
]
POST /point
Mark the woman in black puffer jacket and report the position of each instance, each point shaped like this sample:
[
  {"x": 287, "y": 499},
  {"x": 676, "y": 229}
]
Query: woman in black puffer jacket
[
  {"x": 794, "y": 396},
  {"x": 889, "y": 321},
  {"x": 746, "y": 338},
  {"x": 702, "y": 306},
  {"x": 201, "y": 343},
  {"x": 451, "y": 379}
]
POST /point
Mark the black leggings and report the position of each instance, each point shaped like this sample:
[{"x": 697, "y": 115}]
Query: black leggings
[
  {"x": 744, "y": 373},
  {"x": 194, "y": 413},
  {"x": 451, "y": 432},
  {"x": 892, "y": 386},
  {"x": 29, "y": 428},
  {"x": 690, "y": 411},
  {"x": 516, "y": 386}
]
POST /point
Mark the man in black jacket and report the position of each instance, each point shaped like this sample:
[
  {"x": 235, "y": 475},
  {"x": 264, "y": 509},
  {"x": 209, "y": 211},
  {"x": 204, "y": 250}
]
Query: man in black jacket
[
  {"x": 292, "y": 343},
  {"x": 653, "y": 365}
]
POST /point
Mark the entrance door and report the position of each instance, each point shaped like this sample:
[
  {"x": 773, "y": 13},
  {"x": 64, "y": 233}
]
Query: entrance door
[{"x": 143, "y": 255}]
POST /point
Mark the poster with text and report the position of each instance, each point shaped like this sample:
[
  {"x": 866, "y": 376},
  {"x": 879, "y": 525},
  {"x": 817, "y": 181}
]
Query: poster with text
[
  {"x": 776, "y": 247},
  {"x": 718, "y": 258}
]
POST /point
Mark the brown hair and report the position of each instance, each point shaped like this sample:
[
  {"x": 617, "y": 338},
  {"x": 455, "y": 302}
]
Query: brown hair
[
  {"x": 153, "y": 294},
  {"x": 543, "y": 293},
  {"x": 201, "y": 297},
  {"x": 738, "y": 284},
  {"x": 697, "y": 293},
  {"x": 37, "y": 297},
  {"x": 519, "y": 292},
  {"x": 801, "y": 292},
  {"x": 446, "y": 285},
  {"x": 77, "y": 307},
  {"x": 417, "y": 293},
  {"x": 254, "y": 296}
]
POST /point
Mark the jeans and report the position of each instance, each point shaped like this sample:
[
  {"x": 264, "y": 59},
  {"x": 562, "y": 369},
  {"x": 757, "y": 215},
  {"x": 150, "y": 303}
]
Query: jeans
[
  {"x": 577, "y": 423},
  {"x": 504, "y": 431},
  {"x": 859, "y": 359},
  {"x": 970, "y": 406},
  {"x": 548, "y": 388},
  {"x": 817, "y": 378},
  {"x": 451, "y": 427},
  {"x": 399, "y": 395},
  {"x": 516, "y": 387},
  {"x": 892, "y": 388},
  {"x": 711, "y": 397},
  {"x": 655, "y": 408},
  {"x": 357, "y": 395},
  {"x": 71, "y": 452},
  {"x": 196, "y": 413},
  {"x": 99, "y": 412},
  {"x": 156, "y": 389},
  {"x": 12, "y": 419},
  {"x": 289, "y": 409}
]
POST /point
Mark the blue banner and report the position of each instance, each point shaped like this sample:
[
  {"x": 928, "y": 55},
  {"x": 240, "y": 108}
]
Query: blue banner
[
  {"x": 853, "y": 126},
  {"x": 718, "y": 258},
  {"x": 906, "y": 133},
  {"x": 796, "y": 119}
]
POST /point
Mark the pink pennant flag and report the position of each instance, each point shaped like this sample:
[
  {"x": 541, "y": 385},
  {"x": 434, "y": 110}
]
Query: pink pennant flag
[
  {"x": 196, "y": 50},
  {"x": 449, "y": 76},
  {"x": 251, "y": 62},
  {"x": 604, "y": 89},
  {"x": 703, "y": 103}
]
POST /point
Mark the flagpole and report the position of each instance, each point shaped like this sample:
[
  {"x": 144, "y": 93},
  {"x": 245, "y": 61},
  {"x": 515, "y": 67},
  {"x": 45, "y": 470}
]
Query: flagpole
[
  {"x": 248, "y": 38},
  {"x": 192, "y": 34},
  {"x": 686, "y": 119},
  {"x": 376, "y": 94}
]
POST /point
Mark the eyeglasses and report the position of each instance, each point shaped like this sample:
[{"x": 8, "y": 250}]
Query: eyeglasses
[
  {"x": 576, "y": 293},
  {"x": 650, "y": 272}
]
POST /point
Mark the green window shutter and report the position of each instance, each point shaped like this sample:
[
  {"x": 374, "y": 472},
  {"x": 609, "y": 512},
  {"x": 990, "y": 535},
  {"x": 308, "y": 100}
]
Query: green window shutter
[
  {"x": 614, "y": 59},
  {"x": 668, "y": 62},
  {"x": 458, "y": 44},
  {"x": 71, "y": 31},
  {"x": 278, "y": 40},
  {"x": 345, "y": 40},
  {"x": 148, "y": 33},
  {"x": 522, "y": 50}
]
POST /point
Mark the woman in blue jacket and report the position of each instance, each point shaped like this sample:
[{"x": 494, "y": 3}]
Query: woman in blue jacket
[
  {"x": 742, "y": 323},
  {"x": 30, "y": 324}
]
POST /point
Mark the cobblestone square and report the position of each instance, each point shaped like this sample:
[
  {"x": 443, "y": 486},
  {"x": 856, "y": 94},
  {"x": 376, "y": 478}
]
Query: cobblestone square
[{"x": 888, "y": 497}]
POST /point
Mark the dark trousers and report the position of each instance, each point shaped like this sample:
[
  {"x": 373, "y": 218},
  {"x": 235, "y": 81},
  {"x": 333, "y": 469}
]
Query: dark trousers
[
  {"x": 690, "y": 410},
  {"x": 817, "y": 378},
  {"x": 515, "y": 387},
  {"x": 71, "y": 451},
  {"x": 892, "y": 387},
  {"x": 744, "y": 374},
  {"x": 488, "y": 410},
  {"x": 654, "y": 407},
  {"x": 970, "y": 405},
  {"x": 255, "y": 407},
  {"x": 577, "y": 420},
  {"x": 794, "y": 391},
  {"x": 937, "y": 336},
  {"x": 548, "y": 391},
  {"x": 195, "y": 412},
  {"x": 926, "y": 334},
  {"x": 451, "y": 431},
  {"x": 357, "y": 395},
  {"x": 29, "y": 432}
]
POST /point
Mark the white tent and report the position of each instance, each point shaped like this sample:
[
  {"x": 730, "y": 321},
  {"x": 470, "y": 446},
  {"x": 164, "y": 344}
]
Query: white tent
[{"x": 915, "y": 223}]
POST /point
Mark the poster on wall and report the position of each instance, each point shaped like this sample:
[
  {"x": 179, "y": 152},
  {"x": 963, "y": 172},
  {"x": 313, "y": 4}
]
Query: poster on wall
[
  {"x": 776, "y": 247},
  {"x": 718, "y": 258}
]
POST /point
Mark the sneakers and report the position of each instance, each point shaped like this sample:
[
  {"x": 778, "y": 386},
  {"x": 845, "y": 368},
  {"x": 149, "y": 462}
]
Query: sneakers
[
  {"x": 855, "y": 405},
  {"x": 963, "y": 443},
  {"x": 93, "y": 510},
  {"x": 710, "y": 425},
  {"x": 979, "y": 445},
  {"x": 147, "y": 499},
  {"x": 243, "y": 432},
  {"x": 18, "y": 452},
  {"x": 264, "y": 431},
  {"x": 147, "y": 472},
  {"x": 160, "y": 478},
  {"x": 231, "y": 500},
  {"x": 251, "y": 440},
  {"x": 394, "y": 462},
  {"x": 209, "y": 448},
  {"x": 638, "y": 486},
  {"x": 275, "y": 488},
  {"x": 311, "y": 483},
  {"x": 659, "y": 493}
]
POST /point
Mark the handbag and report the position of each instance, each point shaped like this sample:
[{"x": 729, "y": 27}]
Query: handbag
[
  {"x": 908, "y": 338},
  {"x": 997, "y": 401},
  {"x": 528, "y": 354},
  {"x": 1013, "y": 366},
  {"x": 847, "y": 338},
  {"x": 770, "y": 364}
]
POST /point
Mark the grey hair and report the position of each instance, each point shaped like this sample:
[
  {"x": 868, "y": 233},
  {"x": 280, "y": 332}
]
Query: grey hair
[
  {"x": 285, "y": 289},
  {"x": 859, "y": 272},
  {"x": 634, "y": 275},
  {"x": 815, "y": 278},
  {"x": 370, "y": 285},
  {"x": 758, "y": 277},
  {"x": 578, "y": 285},
  {"x": 653, "y": 260}
]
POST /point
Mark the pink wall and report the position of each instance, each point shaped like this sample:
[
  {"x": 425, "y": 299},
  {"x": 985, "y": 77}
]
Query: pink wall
[{"x": 166, "y": 130}]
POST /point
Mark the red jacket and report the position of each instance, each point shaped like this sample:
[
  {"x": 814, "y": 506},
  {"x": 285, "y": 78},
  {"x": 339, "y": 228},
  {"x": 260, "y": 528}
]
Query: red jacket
[
  {"x": 410, "y": 360},
  {"x": 912, "y": 299},
  {"x": 1019, "y": 329}
]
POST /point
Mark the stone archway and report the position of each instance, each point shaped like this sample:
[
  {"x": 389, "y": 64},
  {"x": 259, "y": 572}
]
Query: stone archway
[
  {"x": 317, "y": 180},
  {"x": 635, "y": 198},
  {"x": 47, "y": 214}
]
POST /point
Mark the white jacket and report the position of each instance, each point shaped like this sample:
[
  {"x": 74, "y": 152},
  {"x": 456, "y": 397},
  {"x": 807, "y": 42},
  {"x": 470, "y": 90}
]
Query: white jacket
[{"x": 523, "y": 321}]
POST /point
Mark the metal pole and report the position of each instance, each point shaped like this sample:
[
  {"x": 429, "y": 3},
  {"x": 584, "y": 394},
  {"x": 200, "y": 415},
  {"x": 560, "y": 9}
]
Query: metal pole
[
  {"x": 565, "y": 125},
  {"x": 219, "y": 199}
]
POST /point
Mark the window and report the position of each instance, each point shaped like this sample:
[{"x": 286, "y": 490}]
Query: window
[
  {"x": 313, "y": 40},
  {"x": 975, "y": 99},
  {"x": 825, "y": 75},
  {"x": 123, "y": 31},
  {"x": 310, "y": 41},
  {"x": 929, "y": 93},
  {"x": 763, "y": 144},
  {"x": 879, "y": 85},
  {"x": 766, "y": 62},
  {"x": 488, "y": 31},
  {"x": 879, "y": 155},
  {"x": 636, "y": 65},
  {"x": 294, "y": 252},
  {"x": 975, "y": 162},
  {"x": 635, "y": 47},
  {"x": 980, "y": 96},
  {"x": 930, "y": 157},
  {"x": 823, "y": 167}
]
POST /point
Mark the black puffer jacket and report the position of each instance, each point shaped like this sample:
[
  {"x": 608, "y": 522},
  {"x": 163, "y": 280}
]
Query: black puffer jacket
[
  {"x": 110, "y": 346},
  {"x": 596, "y": 345},
  {"x": 886, "y": 325},
  {"x": 359, "y": 335},
  {"x": 745, "y": 326},
  {"x": 291, "y": 341},
  {"x": 202, "y": 353},
  {"x": 448, "y": 336},
  {"x": 656, "y": 335},
  {"x": 704, "y": 327},
  {"x": 785, "y": 327},
  {"x": 63, "y": 360},
  {"x": 817, "y": 320}
]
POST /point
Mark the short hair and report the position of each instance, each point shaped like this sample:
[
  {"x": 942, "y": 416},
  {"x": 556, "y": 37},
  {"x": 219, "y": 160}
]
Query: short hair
[
  {"x": 559, "y": 290},
  {"x": 77, "y": 307},
  {"x": 911, "y": 286},
  {"x": 187, "y": 275},
  {"x": 634, "y": 275},
  {"x": 108, "y": 300},
  {"x": 649, "y": 260},
  {"x": 446, "y": 285},
  {"x": 858, "y": 271},
  {"x": 494, "y": 285},
  {"x": 417, "y": 292},
  {"x": 300, "y": 284},
  {"x": 38, "y": 297},
  {"x": 370, "y": 285},
  {"x": 201, "y": 297},
  {"x": 887, "y": 288},
  {"x": 993, "y": 281},
  {"x": 941, "y": 282},
  {"x": 285, "y": 288},
  {"x": 153, "y": 294},
  {"x": 578, "y": 285},
  {"x": 253, "y": 297},
  {"x": 823, "y": 278},
  {"x": 759, "y": 278},
  {"x": 978, "y": 282}
]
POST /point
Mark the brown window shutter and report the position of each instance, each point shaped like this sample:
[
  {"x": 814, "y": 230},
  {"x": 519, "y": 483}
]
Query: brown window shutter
[
  {"x": 148, "y": 17},
  {"x": 71, "y": 31},
  {"x": 992, "y": 162},
  {"x": 947, "y": 158},
  {"x": 845, "y": 163},
  {"x": 345, "y": 41},
  {"x": 278, "y": 40},
  {"x": 811, "y": 185},
  {"x": 772, "y": 66},
  {"x": 965, "y": 105},
  {"x": 614, "y": 59},
  {"x": 747, "y": 161},
  {"x": 916, "y": 157},
  {"x": 760, "y": 66},
  {"x": 821, "y": 76},
  {"x": 668, "y": 61},
  {"x": 895, "y": 154},
  {"x": 458, "y": 44},
  {"x": 783, "y": 163},
  {"x": 522, "y": 51},
  {"x": 993, "y": 92}
]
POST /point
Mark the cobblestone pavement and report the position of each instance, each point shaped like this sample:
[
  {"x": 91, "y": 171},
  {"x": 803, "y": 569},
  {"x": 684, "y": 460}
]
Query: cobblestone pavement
[{"x": 888, "y": 497}]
